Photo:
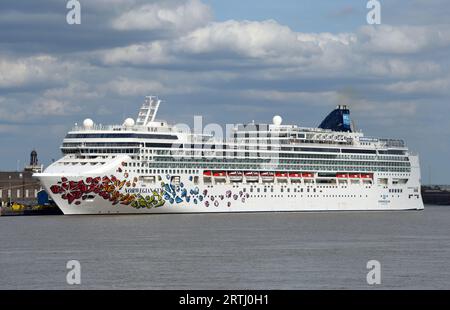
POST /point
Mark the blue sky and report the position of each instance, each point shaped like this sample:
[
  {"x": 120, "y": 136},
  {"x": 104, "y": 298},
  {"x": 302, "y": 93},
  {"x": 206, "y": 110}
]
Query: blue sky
[
  {"x": 231, "y": 61},
  {"x": 307, "y": 16}
]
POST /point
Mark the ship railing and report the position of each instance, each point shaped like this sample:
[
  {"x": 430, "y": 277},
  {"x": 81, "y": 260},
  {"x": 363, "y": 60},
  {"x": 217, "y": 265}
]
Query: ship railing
[
  {"x": 392, "y": 143},
  {"x": 137, "y": 128}
]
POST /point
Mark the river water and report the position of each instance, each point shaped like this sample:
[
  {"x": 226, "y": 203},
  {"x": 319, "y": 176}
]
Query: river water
[{"x": 228, "y": 251}]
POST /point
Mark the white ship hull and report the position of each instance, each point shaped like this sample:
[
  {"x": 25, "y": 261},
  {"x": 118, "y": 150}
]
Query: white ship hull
[{"x": 230, "y": 197}]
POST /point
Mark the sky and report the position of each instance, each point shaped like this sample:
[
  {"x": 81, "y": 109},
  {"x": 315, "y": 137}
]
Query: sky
[{"x": 230, "y": 61}]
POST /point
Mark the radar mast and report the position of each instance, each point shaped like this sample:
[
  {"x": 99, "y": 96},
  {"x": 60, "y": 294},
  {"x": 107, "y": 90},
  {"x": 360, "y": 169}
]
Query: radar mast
[{"x": 148, "y": 111}]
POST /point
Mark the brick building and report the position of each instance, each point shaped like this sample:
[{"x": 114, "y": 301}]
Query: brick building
[{"x": 20, "y": 186}]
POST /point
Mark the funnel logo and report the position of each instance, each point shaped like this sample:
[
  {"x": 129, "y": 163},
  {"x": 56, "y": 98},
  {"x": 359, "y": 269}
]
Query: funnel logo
[{"x": 346, "y": 120}]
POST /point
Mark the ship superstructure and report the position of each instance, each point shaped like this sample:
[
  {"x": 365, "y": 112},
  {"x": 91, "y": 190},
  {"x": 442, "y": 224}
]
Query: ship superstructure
[{"x": 149, "y": 166}]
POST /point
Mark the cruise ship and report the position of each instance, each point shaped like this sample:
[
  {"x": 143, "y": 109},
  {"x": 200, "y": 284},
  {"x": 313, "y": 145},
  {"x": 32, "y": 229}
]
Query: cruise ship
[{"x": 149, "y": 166}]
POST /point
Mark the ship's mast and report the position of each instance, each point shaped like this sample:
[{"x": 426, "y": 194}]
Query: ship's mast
[{"x": 148, "y": 111}]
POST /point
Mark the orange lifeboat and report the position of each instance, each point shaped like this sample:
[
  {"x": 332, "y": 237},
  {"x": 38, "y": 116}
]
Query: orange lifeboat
[{"x": 207, "y": 173}]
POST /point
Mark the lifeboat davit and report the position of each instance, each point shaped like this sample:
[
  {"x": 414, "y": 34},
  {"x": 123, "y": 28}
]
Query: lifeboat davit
[
  {"x": 267, "y": 176},
  {"x": 252, "y": 176},
  {"x": 235, "y": 176}
]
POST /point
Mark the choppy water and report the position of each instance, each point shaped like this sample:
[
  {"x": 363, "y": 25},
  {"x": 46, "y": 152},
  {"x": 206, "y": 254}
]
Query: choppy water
[{"x": 228, "y": 251}]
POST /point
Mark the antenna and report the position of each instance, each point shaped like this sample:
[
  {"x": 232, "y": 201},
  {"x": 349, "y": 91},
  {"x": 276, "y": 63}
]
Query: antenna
[
  {"x": 148, "y": 111},
  {"x": 353, "y": 127}
]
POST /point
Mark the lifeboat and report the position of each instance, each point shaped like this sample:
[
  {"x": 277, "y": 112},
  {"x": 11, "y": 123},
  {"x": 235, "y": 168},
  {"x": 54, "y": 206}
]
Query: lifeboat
[
  {"x": 342, "y": 175},
  {"x": 281, "y": 175},
  {"x": 219, "y": 174},
  {"x": 252, "y": 176},
  {"x": 354, "y": 176},
  {"x": 267, "y": 176},
  {"x": 235, "y": 176},
  {"x": 366, "y": 176},
  {"x": 295, "y": 175},
  {"x": 307, "y": 175},
  {"x": 207, "y": 173}
]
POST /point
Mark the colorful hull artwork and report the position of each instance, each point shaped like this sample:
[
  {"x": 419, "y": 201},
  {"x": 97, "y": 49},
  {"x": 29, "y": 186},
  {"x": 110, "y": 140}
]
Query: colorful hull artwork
[
  {"x": 126, "y": 192},
  {"x": 108, "y": 188}
]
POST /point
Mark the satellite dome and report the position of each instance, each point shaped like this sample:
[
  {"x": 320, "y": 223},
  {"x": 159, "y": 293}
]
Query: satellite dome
[
  {"x": 88, "y": 123},
  {"x": 277, "y": 120},
  {"x": 129, "y": 122}
]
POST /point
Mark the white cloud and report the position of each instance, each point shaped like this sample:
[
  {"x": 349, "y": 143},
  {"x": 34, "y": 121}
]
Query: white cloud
[
  {"x": 165, "y": 16},
  {"x": 52, "y": 107},
  {"x": 111, "y": 3},
  {"x": 16, "y": 72},
  {"x": 265, "y": 39},
  {"x": 439, "y": 86},
  {"x": 399, "y": 68},
  {"x": 315, "y": 98},
  {"x": 132, "y": 87},
  {"x": 393, "y": 110},
  {"x": 239, "y": 43},
  {"x": 13, "y": 110},
  {"x": 171, "y": 84},
  {"x": 147, "y": 53},
  {"x": 403, "y": 39},
  {"x": 74, "y": 89},
  {"x": 31, "y": 70}
]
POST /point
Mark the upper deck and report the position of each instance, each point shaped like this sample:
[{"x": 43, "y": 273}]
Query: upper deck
[{"x": 147, "y": 129}]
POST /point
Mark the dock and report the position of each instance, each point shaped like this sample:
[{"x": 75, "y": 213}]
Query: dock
[
  {"x": 29, "y": 211},
  {"x": 436, "y": 195}
]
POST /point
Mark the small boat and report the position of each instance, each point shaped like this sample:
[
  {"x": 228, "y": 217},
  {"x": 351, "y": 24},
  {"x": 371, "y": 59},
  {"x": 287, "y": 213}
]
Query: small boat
[
  {"x": 295, "y": 175},
  {"x": 307, "y": 175},
  {"x": 366, "y": 176},
  {"x": 281, "y": 175},
  {"x": 342, "y": 175},
  {"x": 219, "y": 174},
  {"x": 252, "y": 176},
  {"x": 235, "y": 176},
  {"x": 354, "y": 176},
  {"x": 267, "y": 176},
  {"x": 207, "y": 173}
]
